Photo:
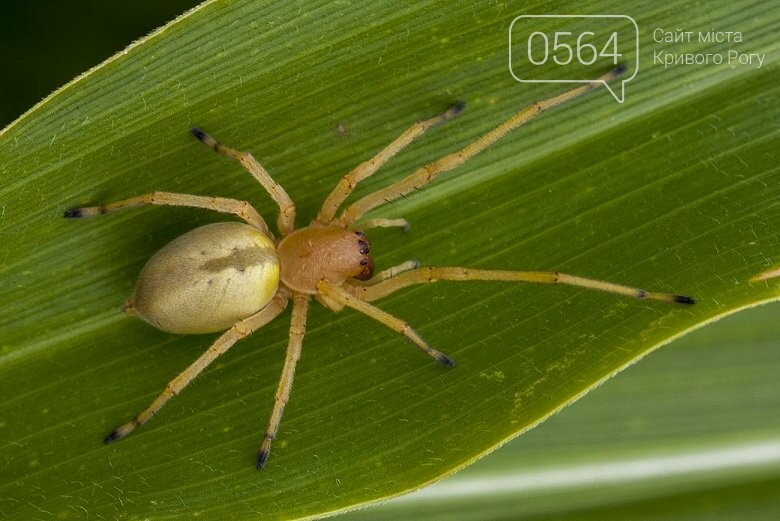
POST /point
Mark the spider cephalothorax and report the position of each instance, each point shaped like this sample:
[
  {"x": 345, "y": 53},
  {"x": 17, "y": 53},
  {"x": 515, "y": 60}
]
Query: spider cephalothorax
[
  {"x": 236, "y": 276},
  {"x": 314, "y": 253}
]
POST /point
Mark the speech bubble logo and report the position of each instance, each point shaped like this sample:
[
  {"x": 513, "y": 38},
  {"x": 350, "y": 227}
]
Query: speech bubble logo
[{"x": 573, "y": 49}]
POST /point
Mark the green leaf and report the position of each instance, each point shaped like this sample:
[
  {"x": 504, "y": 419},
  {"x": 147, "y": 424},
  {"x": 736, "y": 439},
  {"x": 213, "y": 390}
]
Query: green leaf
[
  {"x": 634, "y": 449},
  {"x": 675, "y": 190}
]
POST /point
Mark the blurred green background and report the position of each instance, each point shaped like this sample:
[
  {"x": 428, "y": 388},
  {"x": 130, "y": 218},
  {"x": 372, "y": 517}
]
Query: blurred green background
[
  {"x": 46, "y": 43},
  {"x": 687, "y": 399}
]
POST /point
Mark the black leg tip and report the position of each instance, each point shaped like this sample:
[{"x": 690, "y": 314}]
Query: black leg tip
[
  {"x": 445, "y": 360},
  {"x": 198, "y": 133},
  {"x": 262, "y": 458},
  {"x": 682, "y": 299},
  {"x": 73, "y": 213},
  {"x": 453, "y": 111},
  {"x": 111, "y": 437},
  {"x": 458, "y": 108},
  {"x": 620, "y": 69}
]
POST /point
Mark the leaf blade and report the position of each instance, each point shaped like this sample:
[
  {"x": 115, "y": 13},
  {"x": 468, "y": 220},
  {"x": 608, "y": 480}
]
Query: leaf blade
[{"x": 123, "y": 130}]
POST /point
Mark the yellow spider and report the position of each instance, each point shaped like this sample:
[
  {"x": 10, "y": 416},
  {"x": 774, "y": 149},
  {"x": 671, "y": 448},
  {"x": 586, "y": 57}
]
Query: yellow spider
[{"x": 238, "y": 277}]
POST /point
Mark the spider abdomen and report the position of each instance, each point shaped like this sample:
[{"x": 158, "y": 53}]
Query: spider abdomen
[{"x": 207, "y": 279}]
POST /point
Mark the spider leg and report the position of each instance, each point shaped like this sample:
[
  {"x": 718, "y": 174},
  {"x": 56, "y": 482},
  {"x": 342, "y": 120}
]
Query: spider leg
[
  {"x": 240, "y": 330},
  {"x": 385, "y": 223},
  {"x": 344, "y": 298},
  {"x": 428, "y": 173},
  {"x": 297, "y": 330},
  {"x": 389, "y": 273},
  {"x": 368, "y": 168},
  {"x": 286, "y": 220},
  {"x": 241, "y": 209},
  {"x": 433, "y": 274}
]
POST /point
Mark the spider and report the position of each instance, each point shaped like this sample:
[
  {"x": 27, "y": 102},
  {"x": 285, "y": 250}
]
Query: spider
[{"x": 236, "y": 277}]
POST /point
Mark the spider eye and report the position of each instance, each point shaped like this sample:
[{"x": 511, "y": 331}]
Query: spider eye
[{"x": 367, "y": 263}]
